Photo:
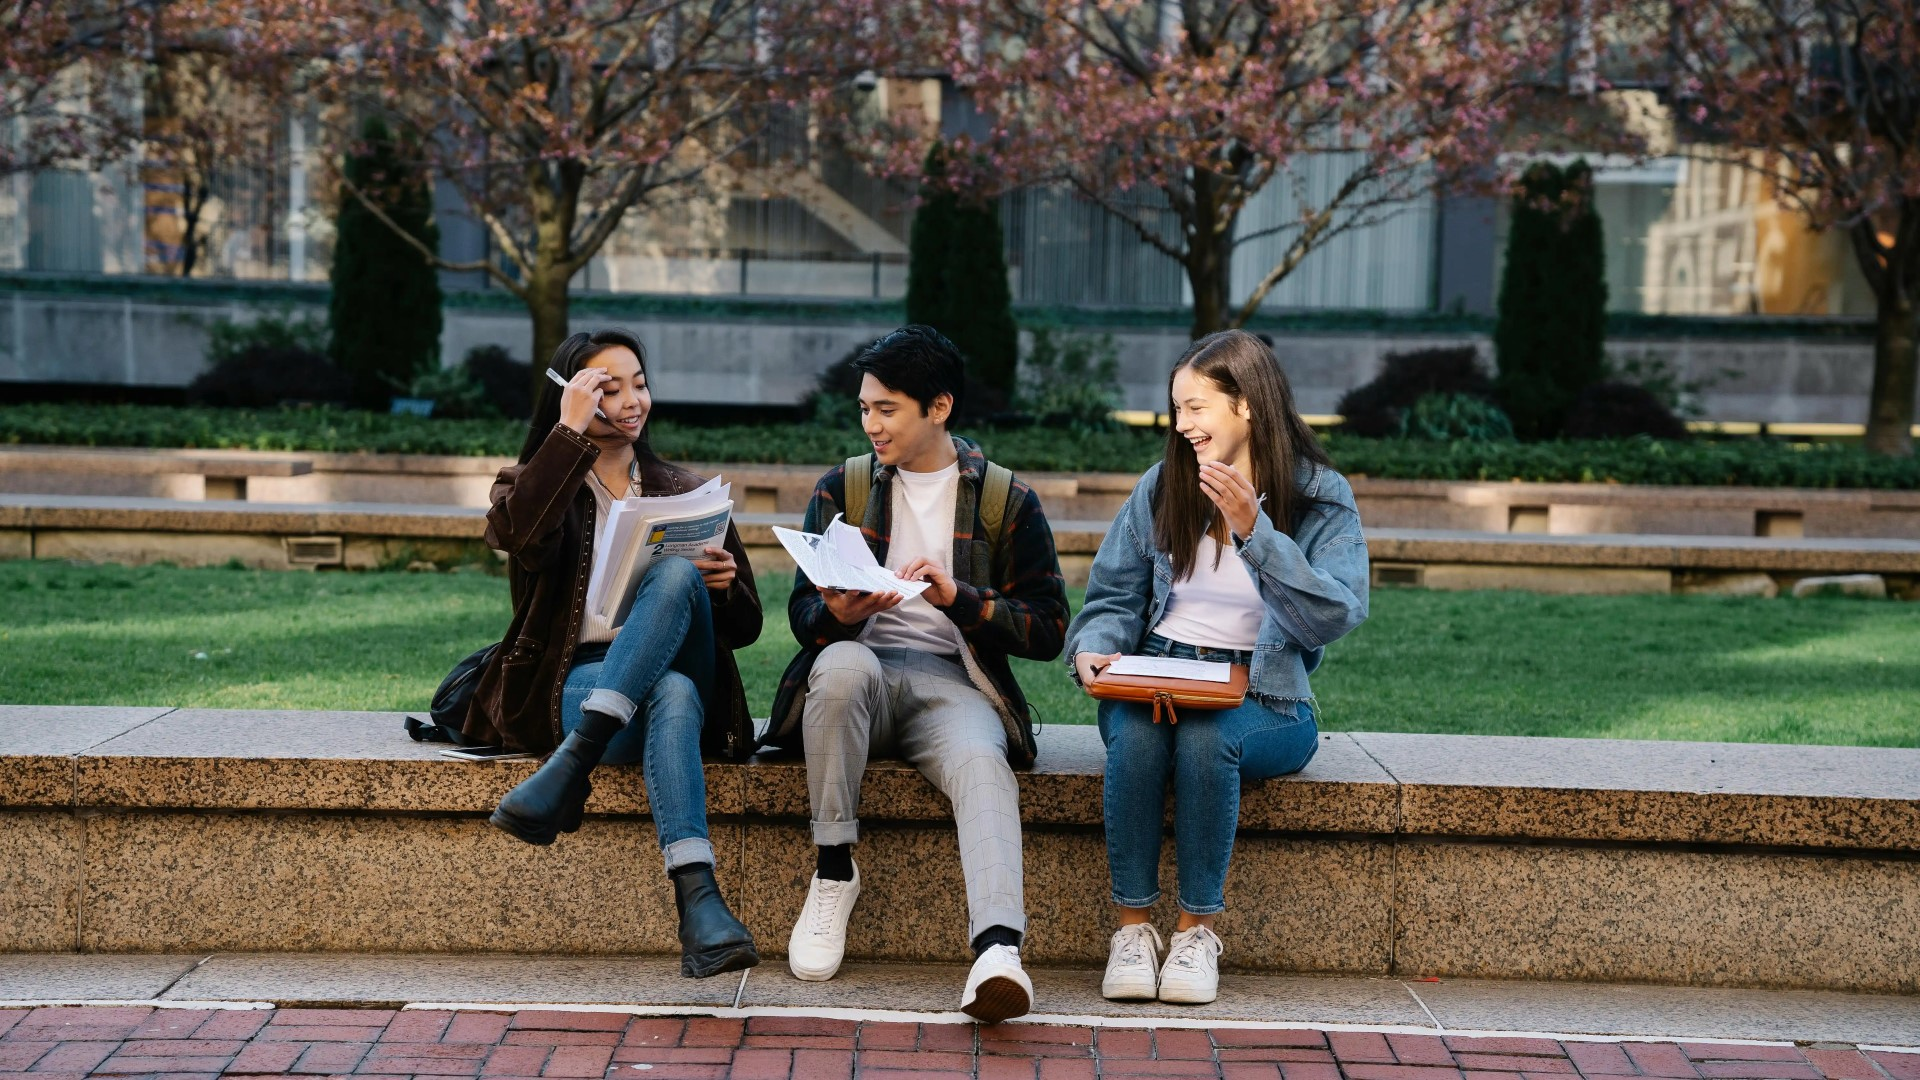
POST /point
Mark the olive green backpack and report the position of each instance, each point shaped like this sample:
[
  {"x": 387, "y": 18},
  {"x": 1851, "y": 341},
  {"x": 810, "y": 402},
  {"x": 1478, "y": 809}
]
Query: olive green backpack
[{"x": 995, "y": 492}]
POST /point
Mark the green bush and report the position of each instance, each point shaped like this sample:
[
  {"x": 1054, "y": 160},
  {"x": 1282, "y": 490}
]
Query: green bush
[
  {"x": 385, "y": 308},
  {"x": 455, "y": 393},
  {"x": 1379, "y": 407},
  {"x": 320, "y": 430},
  {"x": 271, "y": 328},
  {"x": 1445, "y": 417},
  {"x": 1627, "y": 461},
  {"x": 1550, "y": 335},
  {"x": 1741, "y": 463},
  {"x": 1654, "y": 374},
  {"x": 488, "y": 385},
  {"x": 1070, "y": 380}
]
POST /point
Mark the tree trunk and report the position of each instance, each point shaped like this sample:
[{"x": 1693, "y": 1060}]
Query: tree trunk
[
  {"x": 190, "y": 206},
  {"x": 1895, "y": 368},
  {"x": 1209, "y": 261},
  {"x": 547, "y": 303}
]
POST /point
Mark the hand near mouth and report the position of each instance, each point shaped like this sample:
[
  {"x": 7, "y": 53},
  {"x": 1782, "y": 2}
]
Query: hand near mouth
[{"x": 1232, "y": 495}]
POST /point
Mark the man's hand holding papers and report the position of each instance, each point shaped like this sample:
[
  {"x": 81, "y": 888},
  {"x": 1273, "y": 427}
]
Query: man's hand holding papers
[{"x": 851, "y": 581}]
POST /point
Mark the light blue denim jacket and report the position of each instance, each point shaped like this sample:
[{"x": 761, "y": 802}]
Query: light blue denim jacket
[{"x": 1314, "y": 584}]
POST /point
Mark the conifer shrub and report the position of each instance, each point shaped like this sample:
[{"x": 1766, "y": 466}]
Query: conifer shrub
[
  {"x": 1549, "y": 335},
  {"x": 385, "y": 308}
]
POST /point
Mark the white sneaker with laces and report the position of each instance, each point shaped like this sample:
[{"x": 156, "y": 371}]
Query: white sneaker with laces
[
  {"x": 1192, "y": 972},
  {"x": 1133, "y": 964},
  {"x": 996, "y": 987},
  {"x": 819, "y": 939}
]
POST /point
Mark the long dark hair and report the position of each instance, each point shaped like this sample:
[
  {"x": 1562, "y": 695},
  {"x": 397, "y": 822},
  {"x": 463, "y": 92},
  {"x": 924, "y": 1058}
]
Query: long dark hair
[
  {"x": 567, "y": 360},
  {"x": 1244, "y": 369}
]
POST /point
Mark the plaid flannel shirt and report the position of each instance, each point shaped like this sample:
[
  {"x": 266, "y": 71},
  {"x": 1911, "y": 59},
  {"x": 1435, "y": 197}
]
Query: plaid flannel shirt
[{"x": 1015, "y": 606}]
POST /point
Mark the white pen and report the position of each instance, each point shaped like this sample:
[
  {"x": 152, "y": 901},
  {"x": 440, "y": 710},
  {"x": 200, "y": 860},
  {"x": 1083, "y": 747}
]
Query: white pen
[{"x": 555, "y": 376}]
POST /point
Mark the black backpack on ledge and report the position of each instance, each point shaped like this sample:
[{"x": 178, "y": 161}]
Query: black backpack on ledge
[{"x": 449, "y": 709}]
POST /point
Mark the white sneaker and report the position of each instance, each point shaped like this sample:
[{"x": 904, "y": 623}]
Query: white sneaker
[
  {"x": 819, "y": 940},
  {"x": 1133, "y": 964},
  {"x": 996, "y": 987},
  {"x": 1192, "y": 973}
]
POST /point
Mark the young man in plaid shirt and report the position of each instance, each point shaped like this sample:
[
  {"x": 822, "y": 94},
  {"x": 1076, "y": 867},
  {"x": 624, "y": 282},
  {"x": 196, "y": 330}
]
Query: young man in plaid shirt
[{"x": 924, "y": 678}]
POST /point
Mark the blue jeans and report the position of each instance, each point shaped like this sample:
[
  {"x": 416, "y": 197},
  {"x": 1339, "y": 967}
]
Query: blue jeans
[
  {"x": 1207, "y": 755},
  {"x": 657, "y": 674}
]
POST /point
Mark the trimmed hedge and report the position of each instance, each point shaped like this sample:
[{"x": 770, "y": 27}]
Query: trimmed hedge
[
  {"x": 320, "y": 430},
  {"x": 1739, "y": 463}
]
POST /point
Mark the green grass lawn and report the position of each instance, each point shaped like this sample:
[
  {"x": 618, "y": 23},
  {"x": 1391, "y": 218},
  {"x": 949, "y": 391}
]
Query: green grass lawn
[{"x": 1812, "y": 671}]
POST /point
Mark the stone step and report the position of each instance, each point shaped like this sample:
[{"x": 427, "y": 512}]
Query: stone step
[
  {"x": 159, "y": 830},
  {"x": 368, "y": 535},
  {"x": 1484, "y": 506}
]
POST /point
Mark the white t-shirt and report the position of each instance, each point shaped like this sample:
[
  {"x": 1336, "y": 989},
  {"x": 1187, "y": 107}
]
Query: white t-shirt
[
  {"x": 922, "y": 526},
  {"x": 1218, "y": 607}
]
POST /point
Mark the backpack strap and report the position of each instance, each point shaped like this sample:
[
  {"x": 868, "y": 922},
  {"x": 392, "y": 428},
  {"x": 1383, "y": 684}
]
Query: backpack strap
[
  {"x": 995, "y": 491},
  {"x": 859, "y": 484}
]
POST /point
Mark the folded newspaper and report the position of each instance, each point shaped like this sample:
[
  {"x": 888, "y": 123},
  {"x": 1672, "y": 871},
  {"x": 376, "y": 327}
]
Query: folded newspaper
[
  {"x": 840, "y": 559},
  {"x": 641, "y": 529}
]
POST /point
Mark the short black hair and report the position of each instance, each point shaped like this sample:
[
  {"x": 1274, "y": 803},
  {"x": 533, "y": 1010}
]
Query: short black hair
[{"x": 917, "y": 361}]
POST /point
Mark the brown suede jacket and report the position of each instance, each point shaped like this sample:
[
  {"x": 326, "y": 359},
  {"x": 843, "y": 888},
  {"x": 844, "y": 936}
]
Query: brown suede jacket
[{"x": 542, "y": 516}]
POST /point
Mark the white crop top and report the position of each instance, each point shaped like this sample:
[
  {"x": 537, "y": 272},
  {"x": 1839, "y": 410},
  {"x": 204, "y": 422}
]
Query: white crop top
[{"x": 1216, "y": 606}]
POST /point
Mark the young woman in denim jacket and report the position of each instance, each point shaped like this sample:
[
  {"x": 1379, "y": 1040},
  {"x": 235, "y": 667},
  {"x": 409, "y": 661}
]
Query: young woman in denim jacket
[{"x": 1242, "y": 545}]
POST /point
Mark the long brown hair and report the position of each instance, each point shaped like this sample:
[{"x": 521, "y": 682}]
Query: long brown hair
[{"x": 1245, "y": 369}]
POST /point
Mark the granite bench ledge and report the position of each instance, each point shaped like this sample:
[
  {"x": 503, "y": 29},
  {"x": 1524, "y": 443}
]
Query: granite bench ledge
[
  {"x": 227, "y": 760},
  {"x": 1486, "y": 787},
  {"x": 133, "y": 830},
  {"x": 145, "y": 462}
]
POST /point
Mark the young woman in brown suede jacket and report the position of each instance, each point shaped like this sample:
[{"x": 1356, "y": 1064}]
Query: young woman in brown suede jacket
[{"x": 652, "y": 689}]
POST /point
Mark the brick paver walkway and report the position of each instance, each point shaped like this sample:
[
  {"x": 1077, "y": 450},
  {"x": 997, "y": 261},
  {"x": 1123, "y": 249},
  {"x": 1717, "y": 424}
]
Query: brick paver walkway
[{"x": 186, "y": 1044}]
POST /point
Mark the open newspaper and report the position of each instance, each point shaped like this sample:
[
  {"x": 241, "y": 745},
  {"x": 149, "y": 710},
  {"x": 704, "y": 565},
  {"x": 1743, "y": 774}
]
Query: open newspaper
[
  {"x": 641, "y": 529},
  {"x": 840, "y": 559}
]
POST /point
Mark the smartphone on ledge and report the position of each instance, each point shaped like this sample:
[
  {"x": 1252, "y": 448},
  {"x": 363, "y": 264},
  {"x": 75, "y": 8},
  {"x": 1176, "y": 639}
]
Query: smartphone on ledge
[{"x": 485, "y": 753}]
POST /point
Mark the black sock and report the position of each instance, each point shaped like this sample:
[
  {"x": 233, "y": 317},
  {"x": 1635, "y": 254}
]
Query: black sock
[
  {"x": 598, "y": 728},
  {"x": 690, "y": 868},
  {"x": 995, "y": 935},
  {"x": 834, "y": 862}
]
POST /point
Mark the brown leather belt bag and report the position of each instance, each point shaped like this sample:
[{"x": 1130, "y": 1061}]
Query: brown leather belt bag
[{"x": 1167, "y": 695}]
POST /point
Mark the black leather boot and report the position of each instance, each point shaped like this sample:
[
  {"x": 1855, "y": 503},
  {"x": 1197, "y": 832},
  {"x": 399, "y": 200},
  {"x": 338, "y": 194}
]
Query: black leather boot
[
  {"x": 552, "y": 800},
  {"x": 711, "y": 939}
]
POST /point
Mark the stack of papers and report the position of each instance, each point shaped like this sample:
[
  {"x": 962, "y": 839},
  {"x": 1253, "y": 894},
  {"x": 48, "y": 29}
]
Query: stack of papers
[
  {"x": 840, "y": 559},
  {"x": 644, "y": 528},
  {"x": 1170, "y": 667}
]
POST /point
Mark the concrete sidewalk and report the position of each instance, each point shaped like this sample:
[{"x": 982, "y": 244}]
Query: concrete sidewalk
[{"x": 929, "y": 994}]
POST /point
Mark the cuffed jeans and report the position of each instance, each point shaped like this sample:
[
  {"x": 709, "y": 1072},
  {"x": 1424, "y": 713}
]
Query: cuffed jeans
[
  {"x": 1207, "y": 755},
  {"x": 656, "y": 674},
  {"x": 863, "y": 701}
]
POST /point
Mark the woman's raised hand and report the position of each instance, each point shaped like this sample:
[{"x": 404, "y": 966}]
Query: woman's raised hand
[
  {"x": 1232, "y": 494},
  {"x": 582, "y": 397}
]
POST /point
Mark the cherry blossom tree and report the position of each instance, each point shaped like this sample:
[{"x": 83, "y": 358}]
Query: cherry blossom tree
[
  {"x": 1823, "y": 98},
  {"x": 64, "y": 91},
  {"x": 1190, "y": 108},
  {"x": 550, "y": 118},
  {"x": 206, "y": 115}
]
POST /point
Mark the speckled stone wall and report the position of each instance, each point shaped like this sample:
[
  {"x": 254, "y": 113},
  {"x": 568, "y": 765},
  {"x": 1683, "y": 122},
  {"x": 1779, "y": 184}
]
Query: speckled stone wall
[{"x": 148, "y": 830}]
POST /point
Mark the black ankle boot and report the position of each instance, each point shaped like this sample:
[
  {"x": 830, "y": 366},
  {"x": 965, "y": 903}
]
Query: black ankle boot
[
  {"x": 711, "y": 939},
  {"x": 552, "y": 800}
]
